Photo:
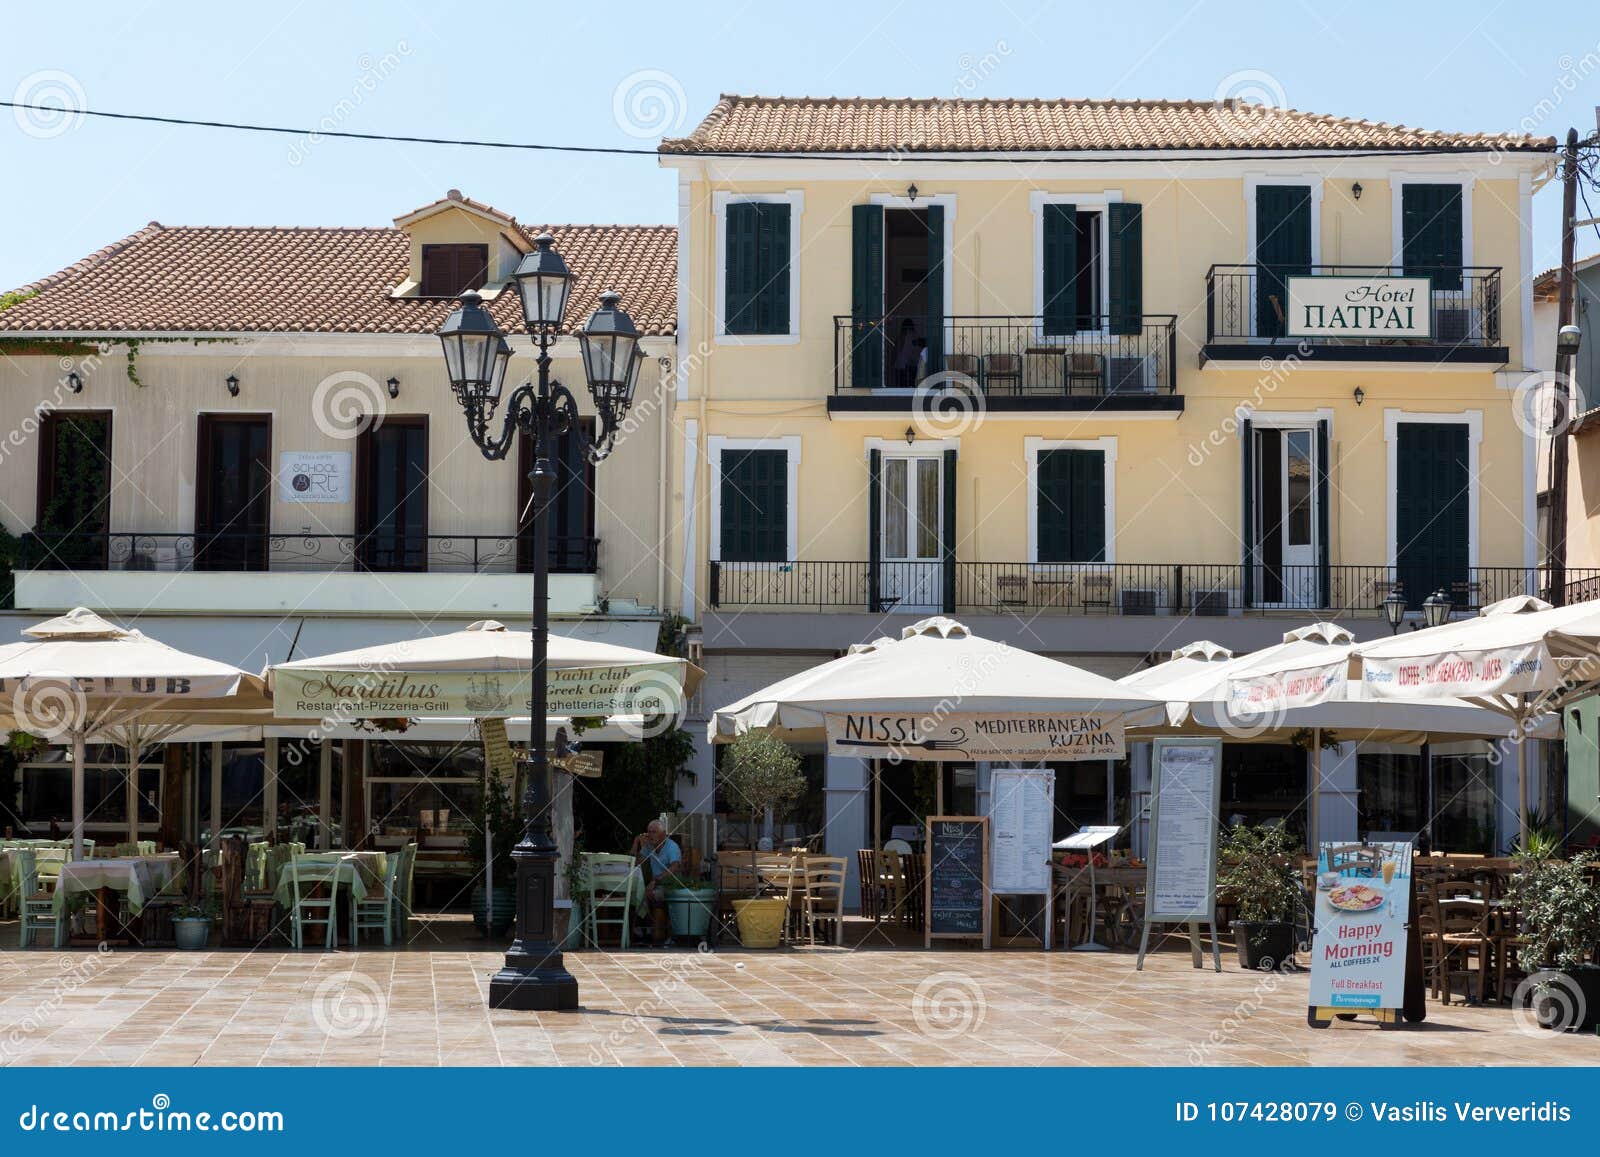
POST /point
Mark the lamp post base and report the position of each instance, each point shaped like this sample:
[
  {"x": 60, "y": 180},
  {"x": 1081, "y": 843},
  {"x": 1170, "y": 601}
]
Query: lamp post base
[{"x": 550, "y": 989}]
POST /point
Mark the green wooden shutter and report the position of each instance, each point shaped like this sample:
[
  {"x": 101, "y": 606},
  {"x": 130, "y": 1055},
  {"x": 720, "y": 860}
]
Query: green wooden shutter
[
  {"x": 1247, "y": 515},
  {"x": 1283, "y": 250},
  {"x": 1430, "y": 224},
  {"x": 934, "y": 328},
  {"x": 1060, "y": 258},
  {"x": 740, "y": 252},
  {"x": 866, "y": 297},
  {"x": 755, "y": 506},
  {"x": 1126, "y": 258},
  {"x": 1432, "y": 505},
  {"x": 1324, "y": 494},
  {"x": 947, "y": 532},
  {"x": 874, "y": 528},
  {"x": 772, "y": 268},
  {"x": 1071, "y": 506}
]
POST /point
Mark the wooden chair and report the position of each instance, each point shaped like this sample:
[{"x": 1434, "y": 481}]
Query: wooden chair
[
  {"x": 965, "y": 364},
  {"x": 309, "y": 907},
  {"x": 1097, "y": 591},
  {"x": 125, "y": 851},
  {"x": 246, "y": 912},
  {"x": 1462, "y": 925},
  {"x": 36, "y": 901},
  {"x": 1002, "y": 374},
  {"x": 892, "y": 879},
  {"x": 1086, "y": 374},
  {"x": 374, "y": 912},
  {"x": 1044, "y": 372},
  {"x": 1355, "y": 859},
  {"x": 867, "y": 881},
  {"x": 403, "y": 900},
  {"x": 608, "y": 896},
  {"x": 824, "y": 896}
]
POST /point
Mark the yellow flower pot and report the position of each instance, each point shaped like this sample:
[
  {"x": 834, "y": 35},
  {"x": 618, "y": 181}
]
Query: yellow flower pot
[{"x": 760, "y": 921}]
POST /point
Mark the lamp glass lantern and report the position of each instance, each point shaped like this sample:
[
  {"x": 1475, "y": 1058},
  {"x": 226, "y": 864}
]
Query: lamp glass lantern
[
  {"x": 475, "y": 354},
  {"x": 543, "y": 283},
  {"x": 1436, "y": 608},
  {"x": 1569, "y": 339},
  {"x": 1394, "y": 607},
  {"x": 611, "y": 356}
]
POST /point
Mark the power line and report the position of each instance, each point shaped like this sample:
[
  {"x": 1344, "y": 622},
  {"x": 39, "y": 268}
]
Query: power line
[{"x": 606, "y": 150}]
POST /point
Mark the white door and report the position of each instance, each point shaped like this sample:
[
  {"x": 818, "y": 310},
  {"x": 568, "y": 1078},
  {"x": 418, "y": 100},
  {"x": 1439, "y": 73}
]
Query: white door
[
  {"x": 1299, "y": 519},
  {"x": 909, "y": 576}
]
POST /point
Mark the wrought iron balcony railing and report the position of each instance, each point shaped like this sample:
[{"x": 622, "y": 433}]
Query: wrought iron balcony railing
[
  {"x": 374, "y": 551},
  {"x": 1249, "y": 306},
  {"x": 1023, "y": 361},
  {"x": 1117, "y": 588}
]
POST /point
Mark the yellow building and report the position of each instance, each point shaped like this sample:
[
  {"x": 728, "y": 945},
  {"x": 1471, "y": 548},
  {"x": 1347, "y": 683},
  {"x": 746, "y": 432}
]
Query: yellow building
[{"x": 1098, "y": 377}]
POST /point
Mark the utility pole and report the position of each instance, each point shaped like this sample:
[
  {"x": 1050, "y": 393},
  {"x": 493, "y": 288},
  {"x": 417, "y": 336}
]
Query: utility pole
[{"x": 1565, "y": 365}]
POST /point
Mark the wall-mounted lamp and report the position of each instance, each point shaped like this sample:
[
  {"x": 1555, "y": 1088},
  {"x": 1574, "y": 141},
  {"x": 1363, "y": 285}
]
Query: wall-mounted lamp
[
  {"x": 1361, "y": 395},
  {"x": 233, "y": 386},
  {"x": 911, "y": 435},
  {"x": 911, "y": 194},
  {"x": 394, "y": 387},
  {"x": 1355, "y": 190},
  {"x": 74, "y": 382}
]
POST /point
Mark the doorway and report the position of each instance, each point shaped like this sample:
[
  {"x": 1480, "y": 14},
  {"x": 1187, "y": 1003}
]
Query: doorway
[
  {"x": 1287, "y": 545},
  {"x": 912, "y": 498},
  {"x": 233, "y": 496}
]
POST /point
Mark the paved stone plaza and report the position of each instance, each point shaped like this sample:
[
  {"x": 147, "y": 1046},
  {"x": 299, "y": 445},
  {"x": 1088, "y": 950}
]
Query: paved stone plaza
[{"x": 811, "y": 1006}]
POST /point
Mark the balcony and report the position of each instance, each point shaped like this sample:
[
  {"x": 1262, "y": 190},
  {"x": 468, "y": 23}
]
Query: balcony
[
  {"x": 1171, "y": 589},
  {"x": 1354, "y": 313},
  {"x": 312, "y": 573},
  {"x": 1009, "y": 364}
]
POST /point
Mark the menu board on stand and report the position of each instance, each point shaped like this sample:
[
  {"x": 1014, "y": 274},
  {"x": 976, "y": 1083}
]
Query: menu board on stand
[
  {"x": 1181, "y": 872},
  {"x": 1022, "y": 808},
  {"x": 956, "y": 899}
]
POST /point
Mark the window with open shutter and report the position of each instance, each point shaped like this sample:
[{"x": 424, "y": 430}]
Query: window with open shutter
[
  {"x": 1060, "y": 257},
  {"x": 755, "y": 506},
  {"x": 451, "y": 270},
  {"x": 1431, "y": 233},
  {"x": 756, "y": 279},
  {"x": 1125, "y": 256},
  {"x": 1071, "y": 506}
]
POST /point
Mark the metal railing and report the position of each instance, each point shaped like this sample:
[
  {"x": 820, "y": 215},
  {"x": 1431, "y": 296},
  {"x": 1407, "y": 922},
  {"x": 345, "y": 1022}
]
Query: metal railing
[
  {"x": 1010, "y": 356},
  {"x": 1199, "y": 589},
  {"x": 1248, "y": 304},
  {"x": 374, "y": 551}
]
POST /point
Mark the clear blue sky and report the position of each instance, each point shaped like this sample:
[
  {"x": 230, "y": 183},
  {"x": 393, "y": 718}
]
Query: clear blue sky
[{"x": 552, "y": 72}]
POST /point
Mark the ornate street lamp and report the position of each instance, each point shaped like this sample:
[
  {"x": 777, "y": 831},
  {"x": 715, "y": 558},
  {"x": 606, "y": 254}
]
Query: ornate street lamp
[
  {"x": 1436, "y": 608},
  {"x": 476, "y": 354},
  {"x": 1394, "y": 606}
]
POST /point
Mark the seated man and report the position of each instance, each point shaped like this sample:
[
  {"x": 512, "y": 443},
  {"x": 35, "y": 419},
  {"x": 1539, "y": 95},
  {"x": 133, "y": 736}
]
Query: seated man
[{"x": 659, "y": 854}]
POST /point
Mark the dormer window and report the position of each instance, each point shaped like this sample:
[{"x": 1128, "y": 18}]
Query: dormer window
[{"x": 451, "y": 270}]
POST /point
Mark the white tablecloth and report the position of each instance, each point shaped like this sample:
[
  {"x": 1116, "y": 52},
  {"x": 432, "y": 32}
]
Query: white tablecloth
[{"x": 139, "y": 877}]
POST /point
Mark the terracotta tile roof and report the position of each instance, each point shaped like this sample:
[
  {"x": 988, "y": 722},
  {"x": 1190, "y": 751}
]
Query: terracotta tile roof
[
  {"x": 320, "y": 280},
  {"x": 875, "y": 125}
]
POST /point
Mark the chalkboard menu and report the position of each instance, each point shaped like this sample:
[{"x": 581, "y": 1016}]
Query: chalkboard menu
[{"x": 957, "y": 894}]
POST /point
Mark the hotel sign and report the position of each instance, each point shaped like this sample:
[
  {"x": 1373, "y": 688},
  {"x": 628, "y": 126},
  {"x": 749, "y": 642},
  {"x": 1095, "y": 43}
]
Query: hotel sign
[{"x": 1361, "y": 307}]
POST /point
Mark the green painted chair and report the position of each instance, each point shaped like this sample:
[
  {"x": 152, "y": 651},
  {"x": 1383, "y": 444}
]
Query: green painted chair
[
  {"x": 38, "y": 906},
  {"x": 125, "y": 851},
  {"x": 255, "y": 866},
  {"x": 305, "y": 904},
  {"x": 402, "y": 907},
  {"x": 375, "y": 912},
  {"x": 607, "y": 895},
  {"x": 147, "y": 847}
]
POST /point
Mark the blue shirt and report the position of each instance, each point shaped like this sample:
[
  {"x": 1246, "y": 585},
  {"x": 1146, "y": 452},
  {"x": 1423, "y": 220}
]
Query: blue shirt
[{"x": 660, "y": 858}]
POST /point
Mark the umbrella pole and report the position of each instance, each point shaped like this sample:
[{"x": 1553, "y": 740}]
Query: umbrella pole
[
  {"x": 1522, "y": 785},
  {"x": 77, "y": 793},
  {"x": 135, "y": 744},
  {"x": 1314, "y": 834}
]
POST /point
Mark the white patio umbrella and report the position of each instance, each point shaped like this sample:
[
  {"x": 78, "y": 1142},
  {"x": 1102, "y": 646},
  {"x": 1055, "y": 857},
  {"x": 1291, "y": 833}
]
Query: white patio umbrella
[
  {"x": 1519, "y": 657},
  {"x": 82, "y": 676},
  {"x": 935, "y": 665}
]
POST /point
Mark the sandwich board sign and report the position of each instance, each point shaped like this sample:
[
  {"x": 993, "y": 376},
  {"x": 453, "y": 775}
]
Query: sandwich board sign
[
  {"x": 1361, "y": 957},
  {"x": 957, "y": 879},
  {"x": 1022, "y": 808},
  {"x": 1181, "y": 871}
]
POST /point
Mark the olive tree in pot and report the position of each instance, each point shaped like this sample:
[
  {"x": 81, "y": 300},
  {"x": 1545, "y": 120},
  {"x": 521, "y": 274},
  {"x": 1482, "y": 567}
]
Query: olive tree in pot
[
  {"x": 1560, "y": 928},
  {"x": 760, "y": 772},
  {"x": 492, "y": 915},
  {"x": 1257, "y": 870}
]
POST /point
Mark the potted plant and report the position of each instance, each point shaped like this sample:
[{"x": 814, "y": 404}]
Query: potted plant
[
  {"x": 191, "y": 925},
  {"x": 691, "y": 902},
  {"x": 493, "y": 913},
  {"x": 1560, "y": 926},
  {"x": 1256, "y": 869},
  {"x": 760, "y": 772}
]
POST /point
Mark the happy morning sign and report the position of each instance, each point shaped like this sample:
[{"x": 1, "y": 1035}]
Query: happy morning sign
[{"x": 1360, "y": 307}]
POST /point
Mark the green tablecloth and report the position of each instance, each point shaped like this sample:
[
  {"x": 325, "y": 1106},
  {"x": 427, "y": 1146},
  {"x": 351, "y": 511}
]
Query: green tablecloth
[
  {"x": 347, "y": 873},
  {"x": 139, "y": 878},
  {"x": 373, "y": 865}
]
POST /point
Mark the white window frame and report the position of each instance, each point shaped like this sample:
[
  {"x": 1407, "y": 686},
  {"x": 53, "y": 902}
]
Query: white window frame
[
  {"x": 1397, "y": 183},
  {"x": 1252, "y": 183},
  {"x": 1106, "y": 445},
  {"x": 1473, "y": 420},
  {"x": 716, "y": 444},
  {"x": 1092, "y": 202},
  {"x": 795, "y": 199}
]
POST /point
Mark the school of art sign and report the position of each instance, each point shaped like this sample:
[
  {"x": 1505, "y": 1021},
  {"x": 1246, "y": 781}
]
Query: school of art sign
[
  {"x": 637, "y": 689},
  {"x": 1360, "y": 307},
  {"x": 962, "y": 736}
]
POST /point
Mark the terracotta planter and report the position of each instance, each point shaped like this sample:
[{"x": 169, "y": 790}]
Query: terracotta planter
[{"x": 760, "y": 921}]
